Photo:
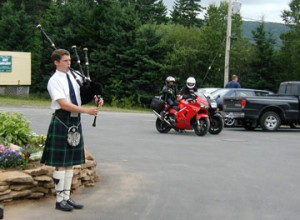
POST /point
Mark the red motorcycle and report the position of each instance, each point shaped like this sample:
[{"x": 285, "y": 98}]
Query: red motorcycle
[{"x": 191, "y": 114}]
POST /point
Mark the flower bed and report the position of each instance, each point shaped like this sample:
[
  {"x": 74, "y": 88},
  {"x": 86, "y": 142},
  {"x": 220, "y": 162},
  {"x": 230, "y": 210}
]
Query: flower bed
[{"x": 13, "y": 158}]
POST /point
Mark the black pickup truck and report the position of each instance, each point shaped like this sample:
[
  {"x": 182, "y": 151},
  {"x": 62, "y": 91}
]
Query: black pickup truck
[{"x": 268, "y": 112}]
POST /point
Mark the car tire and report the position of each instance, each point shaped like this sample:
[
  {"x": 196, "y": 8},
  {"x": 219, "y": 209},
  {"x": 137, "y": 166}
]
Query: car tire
[
  {"x": 295, "y": 125},
  {"x": 270, "y": 121}
]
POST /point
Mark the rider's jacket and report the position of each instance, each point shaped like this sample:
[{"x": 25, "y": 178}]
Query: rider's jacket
[
  {"x": 188, "y": 93},
  {"x": 169, "y": 92}
]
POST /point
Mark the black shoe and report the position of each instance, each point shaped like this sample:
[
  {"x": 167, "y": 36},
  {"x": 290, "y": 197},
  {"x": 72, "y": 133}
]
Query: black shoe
[
  {"x": 74, "y": 204},
  {"x": 64, "y": 206}
]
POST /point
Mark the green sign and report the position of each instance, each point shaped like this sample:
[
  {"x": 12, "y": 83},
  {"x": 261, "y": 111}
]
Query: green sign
[{"x": 5, "y": 63}]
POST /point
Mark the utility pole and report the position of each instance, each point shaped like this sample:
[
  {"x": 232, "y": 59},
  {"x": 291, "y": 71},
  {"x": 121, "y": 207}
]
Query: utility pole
[
  {"x": 228, "y": 38},
  {"x": 232, "y": 8}
]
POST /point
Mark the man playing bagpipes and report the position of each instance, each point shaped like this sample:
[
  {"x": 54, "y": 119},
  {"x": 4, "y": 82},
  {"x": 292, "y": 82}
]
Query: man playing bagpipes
[{"x": 64, "y": 145}]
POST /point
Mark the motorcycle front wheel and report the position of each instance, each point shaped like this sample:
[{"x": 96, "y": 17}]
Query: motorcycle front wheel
[
  {"x": 161, "y": 126},
  {"x": 216, "y": 124},
  {"x": 202, "y": 127}
]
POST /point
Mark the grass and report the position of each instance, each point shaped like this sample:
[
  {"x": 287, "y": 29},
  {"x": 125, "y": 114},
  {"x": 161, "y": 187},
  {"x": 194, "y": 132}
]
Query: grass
[
  {"x": 35, "y": 101},
  {"x": 17, "y": 101}
]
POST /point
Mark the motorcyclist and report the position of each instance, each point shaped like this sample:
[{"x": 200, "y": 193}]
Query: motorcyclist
[
  {"x": 189, "y": 90},
  {"x": 169, "y": 94}
]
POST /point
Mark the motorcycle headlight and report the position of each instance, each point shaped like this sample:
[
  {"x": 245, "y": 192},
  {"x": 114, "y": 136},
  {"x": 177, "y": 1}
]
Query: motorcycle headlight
[
  {"x": 204, "y": 106},
  {"x": 213, "y": 105}
]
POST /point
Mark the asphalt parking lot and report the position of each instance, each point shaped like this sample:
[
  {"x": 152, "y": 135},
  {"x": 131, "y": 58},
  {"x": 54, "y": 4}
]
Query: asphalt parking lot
[{"x": 145, "y": 175}]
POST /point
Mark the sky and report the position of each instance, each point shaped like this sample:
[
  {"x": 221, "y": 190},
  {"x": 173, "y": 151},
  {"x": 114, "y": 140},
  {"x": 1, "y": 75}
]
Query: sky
[{"x": 252, "y": 10}]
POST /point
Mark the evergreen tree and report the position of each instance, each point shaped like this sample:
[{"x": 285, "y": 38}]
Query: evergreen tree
[
  {"x": 15, "y": 29},
  {"x": 290, "y": 52},
  {"x": 292, "y": 16},
  {"x": 149, "y": 59},
  {"x": 184, "y": 54},
  {"x": 151, "y": 11},
  {"x": 33, "y": 8},
  {"x": 113, "y": 33},
  {"x": 186, "y": 13},
  {"x": 263, "y": 74}
]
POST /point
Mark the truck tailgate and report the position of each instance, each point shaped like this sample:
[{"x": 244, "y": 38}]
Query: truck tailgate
[{"x": 232, "y": 104}]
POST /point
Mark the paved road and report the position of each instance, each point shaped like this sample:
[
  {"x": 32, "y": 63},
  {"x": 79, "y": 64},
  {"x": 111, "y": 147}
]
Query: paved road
[{"x": 236, "y": 175}]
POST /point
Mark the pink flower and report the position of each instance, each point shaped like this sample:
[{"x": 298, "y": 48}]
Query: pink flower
[{"x": 2, "y": 147}]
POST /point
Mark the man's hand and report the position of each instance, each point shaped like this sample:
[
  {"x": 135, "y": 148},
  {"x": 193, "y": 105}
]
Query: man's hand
[
  {"x": 92, "y": 111},
  {"x": 99, "y": 101}
]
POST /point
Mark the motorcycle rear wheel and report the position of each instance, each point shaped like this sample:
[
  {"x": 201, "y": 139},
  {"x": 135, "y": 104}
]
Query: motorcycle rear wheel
[
  {"x": 161, "y": 126},
  {"x": 202, "y": 128},
  {"x": 216, "y": 124}
]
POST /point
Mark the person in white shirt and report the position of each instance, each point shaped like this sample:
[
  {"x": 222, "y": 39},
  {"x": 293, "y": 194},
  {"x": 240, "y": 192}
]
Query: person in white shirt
[{"x": 64, "y": 145}]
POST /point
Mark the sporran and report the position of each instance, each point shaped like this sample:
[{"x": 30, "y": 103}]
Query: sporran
[{"x": 73, "y": 136}]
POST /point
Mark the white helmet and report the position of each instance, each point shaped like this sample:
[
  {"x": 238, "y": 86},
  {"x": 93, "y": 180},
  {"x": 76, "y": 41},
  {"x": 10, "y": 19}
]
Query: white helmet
[
  {"x": 191, "y": 82},
  {"x": 170, "y": 79}
]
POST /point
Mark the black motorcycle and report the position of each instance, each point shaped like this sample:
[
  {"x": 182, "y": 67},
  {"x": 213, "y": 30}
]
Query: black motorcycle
[{"x": 215, "y": 117}]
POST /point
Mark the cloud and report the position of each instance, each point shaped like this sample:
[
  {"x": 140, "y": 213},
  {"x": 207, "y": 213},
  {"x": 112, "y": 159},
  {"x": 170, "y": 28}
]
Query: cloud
[{"x": 271, "y": 10}]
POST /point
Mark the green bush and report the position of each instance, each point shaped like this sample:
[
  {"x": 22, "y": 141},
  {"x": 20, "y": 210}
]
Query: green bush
[
  {"x": 14, "y": 128},
  {"x": 127, "y": 102},
  {"x": 35, "y": 145}
]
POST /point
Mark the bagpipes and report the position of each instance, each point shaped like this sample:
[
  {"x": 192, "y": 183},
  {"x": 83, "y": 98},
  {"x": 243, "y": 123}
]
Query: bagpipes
[{"x": 88, "y": 88}]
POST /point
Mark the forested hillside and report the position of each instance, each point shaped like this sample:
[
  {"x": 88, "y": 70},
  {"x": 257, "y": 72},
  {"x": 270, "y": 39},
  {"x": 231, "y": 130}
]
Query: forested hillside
[{"x": 275, "y": 28}]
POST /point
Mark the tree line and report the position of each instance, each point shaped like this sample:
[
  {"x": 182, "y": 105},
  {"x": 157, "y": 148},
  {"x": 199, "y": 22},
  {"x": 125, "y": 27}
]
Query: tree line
[{"x": 135, "y": 44}]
